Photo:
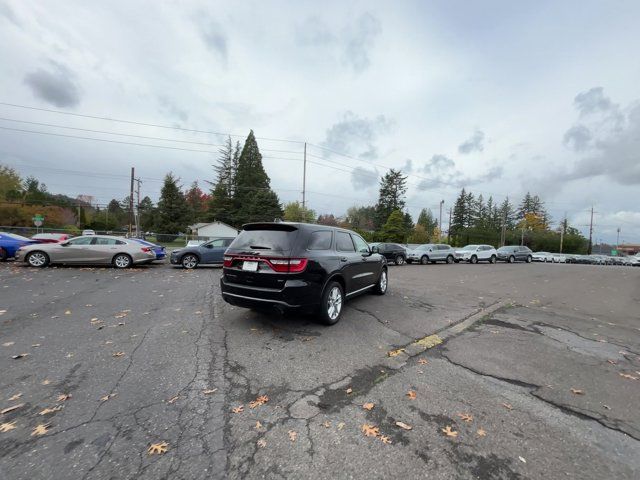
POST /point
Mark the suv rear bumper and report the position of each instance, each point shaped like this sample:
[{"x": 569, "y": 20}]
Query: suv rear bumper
[{"x": 296, "y": 294}]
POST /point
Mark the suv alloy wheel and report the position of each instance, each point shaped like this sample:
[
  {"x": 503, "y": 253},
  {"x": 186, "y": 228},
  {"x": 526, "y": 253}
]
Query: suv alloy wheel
[{"x": 332, "y": 302}]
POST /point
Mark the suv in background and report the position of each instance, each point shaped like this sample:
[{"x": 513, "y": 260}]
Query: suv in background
[
  {"x": 513, "y": 253},
  {"x": 392, "y": 252},
  {"x": 301, "y": 266},
  {"x": 430, "y": 252},
  {"x": 477, "y": 253}
]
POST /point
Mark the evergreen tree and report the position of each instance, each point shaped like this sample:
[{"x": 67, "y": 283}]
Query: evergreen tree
[
  {"x": 469, "y": 210},
  {"x": 408, "y": 222},
  {"x": 507, "y": 214},
  {"x": 458, "y": 221},
  {"x": 147, "y": 214},
  {"x": 221, "y": 205},
  {"x": 361, "y": 218},
  {"x": 393, "y": 187},
  {"x": 428, "y": 221},
  {"x": 172, "y": 215},
  {"x": 394, "y": 229},
  {"x": 196, "y": 201},
  {"x": 327, "y": 219}
]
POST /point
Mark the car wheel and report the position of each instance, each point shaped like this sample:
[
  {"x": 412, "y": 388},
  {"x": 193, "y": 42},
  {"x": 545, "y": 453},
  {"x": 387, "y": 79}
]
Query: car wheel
[
  {"x": 493, "y": 259},
  {"x": 383, "y": 283},
  {"x": 38, "y": 259},
  {"x": 190, "y": 262},
  {"x": 474, "y": 259},
  {"x": 529, "y": 259},
  {"x": 512, "y": 259},
  {"x": 3, "y": 255},
  {"x": 450, "y": 259},
  {"x": 399, "y": 260},
  {"x": 332, "y": 303},
  {"x": 424, "y": 260},
  {"x": 122, "y": 260}
]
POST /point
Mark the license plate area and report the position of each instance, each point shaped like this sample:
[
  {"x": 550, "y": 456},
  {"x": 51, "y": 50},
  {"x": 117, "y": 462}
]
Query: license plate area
[{"x": 249, "y": 266}]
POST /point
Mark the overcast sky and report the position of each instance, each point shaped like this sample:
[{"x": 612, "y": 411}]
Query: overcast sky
[{"x": 500, "y": 97}]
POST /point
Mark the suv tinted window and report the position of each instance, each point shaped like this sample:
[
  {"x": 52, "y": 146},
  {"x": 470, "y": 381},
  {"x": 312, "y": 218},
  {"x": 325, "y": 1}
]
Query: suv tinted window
[
  {"x": 343, "y": 242},
  {"x": 280, "y": 237},
  {"x": 443, "y": 247},
  {"x": 320, "y": 240},
  {"x": 361, "y": 245}
]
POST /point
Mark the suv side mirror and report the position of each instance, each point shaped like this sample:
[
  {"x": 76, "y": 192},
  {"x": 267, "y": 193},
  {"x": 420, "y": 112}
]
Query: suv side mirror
[{"x": 375, "y": 249}]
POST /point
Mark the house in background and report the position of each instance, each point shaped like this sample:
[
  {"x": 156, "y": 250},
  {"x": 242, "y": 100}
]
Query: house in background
[{"x": 213, "y": 230}]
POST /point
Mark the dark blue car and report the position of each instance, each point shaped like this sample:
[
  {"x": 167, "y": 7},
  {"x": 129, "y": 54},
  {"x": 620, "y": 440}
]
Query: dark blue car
[
  {"x": 211, "y": 253},
  {"x": 10, "y": 242},
  {"x": 157, "y": 249}
]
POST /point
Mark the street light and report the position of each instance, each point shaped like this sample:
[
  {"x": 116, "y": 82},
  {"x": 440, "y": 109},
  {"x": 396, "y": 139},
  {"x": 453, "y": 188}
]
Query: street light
[{"x": 440, "y": 224}]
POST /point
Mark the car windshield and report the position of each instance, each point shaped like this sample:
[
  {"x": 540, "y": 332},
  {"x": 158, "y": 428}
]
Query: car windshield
[
  {"x": 469, "y": 247},
  {"x": 16, "y": 237}
]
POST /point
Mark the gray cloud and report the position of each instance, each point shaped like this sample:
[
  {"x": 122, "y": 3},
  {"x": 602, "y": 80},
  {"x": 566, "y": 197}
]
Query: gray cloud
[
  {"x": 356, "y": 135},
  {"x": 55, "y": 86},
  {"x": 473, "y": 144},
  {"x": 170, "y": 108},
  {"x": 593, "y": 101},
  {"x": 313, "y": 31},
  {"x": 5, "y": 11},
  {"x": 359, "y": 41},
  {"x": 214, "y": 38},
  {"x": 578, "y": 138},
  {"x": 362, "y": 178},
  {"x": 442, "y": 170},
  {"x": 408, "y": 166}
]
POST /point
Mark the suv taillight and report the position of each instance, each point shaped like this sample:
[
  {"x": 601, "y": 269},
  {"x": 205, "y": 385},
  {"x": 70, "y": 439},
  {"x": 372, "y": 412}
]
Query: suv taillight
[
  {"x": 280, "y": 265},
  {"x": 227, "y": 261}
]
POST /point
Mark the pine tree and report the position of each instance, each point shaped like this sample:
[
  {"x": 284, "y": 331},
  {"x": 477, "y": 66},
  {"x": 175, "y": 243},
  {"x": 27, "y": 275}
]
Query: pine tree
[
  {"x": 196, "y": 201},
  {"x": 469, "y": 207},
  {"x": 393, "y": 187},
  {"x": 458, "y": 222},
  {"x": 394, "y": 230},
  {"x": 428, "y": 221},
  {"x": 507, "y": 214},
  {"x": 480, "y": 213},
  {"x": 172, "y": 208}
]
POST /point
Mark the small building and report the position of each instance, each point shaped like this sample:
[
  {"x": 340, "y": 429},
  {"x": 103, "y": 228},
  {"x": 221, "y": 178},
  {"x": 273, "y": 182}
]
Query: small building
[
  {"x": 629, "y": 248},
  {"x": 213, "y": 230}
]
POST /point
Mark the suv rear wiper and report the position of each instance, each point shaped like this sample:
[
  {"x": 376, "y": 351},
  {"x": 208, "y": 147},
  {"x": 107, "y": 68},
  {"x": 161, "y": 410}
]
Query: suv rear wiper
[{"x": 259, "y": 247}]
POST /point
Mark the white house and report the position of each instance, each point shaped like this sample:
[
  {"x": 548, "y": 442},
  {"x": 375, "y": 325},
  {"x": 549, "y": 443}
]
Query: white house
[{"x": 214, "y": 230}]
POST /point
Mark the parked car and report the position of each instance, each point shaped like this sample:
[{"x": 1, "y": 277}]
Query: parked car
[
  {"x": 159, "y": 250},
  {"x": 88, "y": 232},
  {"x": 513, "y": 253},
  {"x": 50, "y": 237},
  {"x": 194, "y": 243},
  {"x": 209, "y": 253},
  {"x": 558, "y": 258},
  {"x": 89, "y": 250},
  {"x": 430, "y": 252},
  {"x": 477, "y": 253},
  {"x": 542, "y": 257},
  {"x": 302, "y": 267},
  {"x": 392, "y": 252},
  {"x": 10, "y": 243}
]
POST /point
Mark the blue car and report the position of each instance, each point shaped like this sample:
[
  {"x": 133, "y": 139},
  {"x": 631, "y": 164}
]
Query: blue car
[
  {"x": 157, "y": 249},
  {"x": 10, "y": 242},
  {"x": 209, "y": 253}
]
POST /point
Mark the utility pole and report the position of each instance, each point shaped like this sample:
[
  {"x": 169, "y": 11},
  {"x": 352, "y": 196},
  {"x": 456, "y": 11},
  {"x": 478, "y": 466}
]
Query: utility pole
[
  {"x": 131, "y": 203},
  {"x": 503, "y": 232},
  {"x": 440, "y": 224},
  {"x": 449, "y": 229},
  {"x": 137, "y": 216},
  {"x": 304, "y": 177},
  {"x": 590, "y": 247},
  {"x": 618, "y": 239}
]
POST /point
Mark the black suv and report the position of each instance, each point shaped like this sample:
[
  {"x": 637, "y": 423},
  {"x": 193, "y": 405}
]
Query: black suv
[
  {"x": 302, "y": 266},
  {"x": 514, "y": 253},
  {"x": 392, "y": 252}
]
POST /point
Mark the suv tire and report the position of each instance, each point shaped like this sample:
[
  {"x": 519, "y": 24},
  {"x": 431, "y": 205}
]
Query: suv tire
[
  {"x": 399, "y": 260},
  {"x": 529, "y": 259},
  {"x": 450, "y": 259},
  {"x": 493, "y": 259},
  {"x": 424, "y": 260},
  {"x": 512, "y": 259},
  {"x": 473, "y": 259},
  {"x": 332, "y": 304},
  {"x": 383, "y": 283}
]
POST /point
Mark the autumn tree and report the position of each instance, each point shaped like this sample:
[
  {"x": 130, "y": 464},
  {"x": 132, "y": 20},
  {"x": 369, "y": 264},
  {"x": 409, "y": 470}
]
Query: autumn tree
[{"x": 295, "y": 212}]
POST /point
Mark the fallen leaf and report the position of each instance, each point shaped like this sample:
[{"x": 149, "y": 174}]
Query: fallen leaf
[
  {"x": 404, "y": 426},
  {"x": 395, "y": 353},
  {"x": 349, "y": 390},
  {"x": 46, "y": 382},
  {"x": 108, "y": 342},
  {"x": 258, "y": 425},
  {"x": 261, "y": 443},
  {"x": 341, "y": 425},
  {"x": 2, "y": 312},
  {"x": 612, "y": 362},
  {"x": 606, "y": 406},
  {"x": 626, "y": 375},
  {"x": 423, "y": 361},
  {"x": 107, "y": 397},
  {"x": 466, "y": 417},
  {"x": 326, "y": 424},
  {"x": 11, "y": 408},
  {"x": 385, "y": 439},
  {"x": 15, "y": 397},
  {"x": 508, "y": 406},
  {"x": 370, "y": 430},
  {"x": 67, "y": 312},
  {"x": 20, "y": 355},
  {"x": 117, "y": 354},
  {"x": 158, "y": 448},
  {"x": 481, "y": 432},
  {"x": 449, "y": 432},
  {"x": 35, "y": 345},
  {"x": 5, "y": 427},
  {"x": 292, "y": 435},
  {"x": 411, "y": 394},
  {"x": 63, "y": 397},
  {"x": 7, "y": 344},
  {"x": 522, "y": 459},
  {"x": 577, "y": 391},
  {"x": 368, "y": 406},
  {"x": 261, "y": 400},
  {"x": 210, "y": 391},
  {"x": 238, "y": 409},
  {"x": 48, "y": 410},
  {"x": 41, "y": 429},
  {"x": 173, "y": 399}
]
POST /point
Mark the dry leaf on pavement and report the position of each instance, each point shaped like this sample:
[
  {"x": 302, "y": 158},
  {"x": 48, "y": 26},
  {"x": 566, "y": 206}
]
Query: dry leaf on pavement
[
  {"x": 481, "y": 432},
  {"x": 45, "y": 382},
  {"x": 404, "y": 426},
  {"x": 7, "y": 344},
  {"x": 20, "y": 355},
  {"x": 15, "y": 397},
  {"x": 48, "y": 410},
  {"x": 107, "y": 397},
  {"x": 326, "y": 424},
  {"x": 370, "y": 430},
  {"x": 173, "y": 399},
  {"x": 5, "y": 427},
  {"x": 385, "y": 439},
  {"x": 368, "y": 406},
  {"x": 67, "y": 312},
  {"x": 626, "y": 375},
  {"x": 261, "y": 400},
  {"x": 158, "y": 448},
  {"x": 612, "y": 362},
  {"x": 522, "y": 459},
  {"x": 341, "y": 425},
  {"x": 238, "y": 409},
  {"x": 293, "y": 435},
  {"x": 11, "y": 408},
  {"x": 117, "y": 354},
  {"x": 210, "y": 391},
  {"x": 411, "y": 394},
  {"x": 577, "y": 391},
  {"x": 508, "y": 406},
  {"x": 349, "y": 390},
  {"x": 63, "y": 397},
  {"x": 395, "y": 353},
  {"x": 466, "y": 417},
  {"x": 423, "y": 361},
  {"x": 262, "y": 443},
  {"x": 449, "y": 432},
  {"x": 41, "y": 429},
  {"x": 258, "y": 425}
]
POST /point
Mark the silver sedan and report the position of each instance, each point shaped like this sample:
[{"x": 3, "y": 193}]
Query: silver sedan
[{"x": 88, "y": 250}]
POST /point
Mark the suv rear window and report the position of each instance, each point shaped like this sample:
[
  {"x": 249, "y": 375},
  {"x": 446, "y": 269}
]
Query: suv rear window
[{"x": 279, "y": 237}]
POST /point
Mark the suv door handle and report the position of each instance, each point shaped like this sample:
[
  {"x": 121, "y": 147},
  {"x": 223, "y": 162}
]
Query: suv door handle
[{"x": 344, "y": 259}]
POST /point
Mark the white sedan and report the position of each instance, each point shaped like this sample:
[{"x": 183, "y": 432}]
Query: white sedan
[{"x": 542, "y": 257}]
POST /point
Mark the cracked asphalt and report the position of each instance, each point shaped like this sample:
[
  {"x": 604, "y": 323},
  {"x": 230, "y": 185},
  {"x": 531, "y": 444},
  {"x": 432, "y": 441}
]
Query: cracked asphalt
[{"x": 536, "y": 368}]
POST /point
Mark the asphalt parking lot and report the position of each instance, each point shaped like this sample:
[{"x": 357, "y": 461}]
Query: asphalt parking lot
[{"x": 492, "y": 371}]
